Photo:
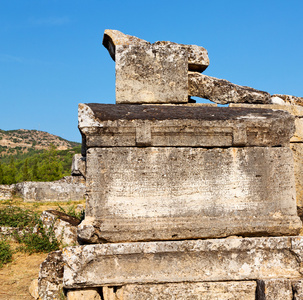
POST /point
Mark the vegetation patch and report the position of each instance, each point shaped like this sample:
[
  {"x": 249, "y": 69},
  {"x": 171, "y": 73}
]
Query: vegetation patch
[{"x": 6, "y": 253}]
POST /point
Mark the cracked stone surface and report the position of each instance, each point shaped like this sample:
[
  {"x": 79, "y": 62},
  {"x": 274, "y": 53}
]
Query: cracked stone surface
[
  {"x": 222, "y": 91},
  {"x": 178, "y": 261}
]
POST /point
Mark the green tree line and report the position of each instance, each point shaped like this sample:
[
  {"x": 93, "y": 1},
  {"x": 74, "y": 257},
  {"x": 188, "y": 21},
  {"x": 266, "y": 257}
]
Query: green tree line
[{"x": 47, "y": 165}]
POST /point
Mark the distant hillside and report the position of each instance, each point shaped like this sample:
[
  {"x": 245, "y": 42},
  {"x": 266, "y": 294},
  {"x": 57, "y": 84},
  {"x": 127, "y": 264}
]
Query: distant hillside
[
  {"x": 32, "y": 155},
  {"x": 22, "y": 140}
]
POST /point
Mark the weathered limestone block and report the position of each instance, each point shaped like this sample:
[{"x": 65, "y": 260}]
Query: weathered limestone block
[
  {"x": 274, "y": 289},
  {"x": 162, "y": 193},
  {"x": 60, "y": 190},
  {"x": 87, "y": 294},
  {"x": 197, "y": 56},
  {"x": 183, "y": 261},
  {"x": 222, "y": 91},
  {"x": 78, "y": 165},
  {"x": 108, "y": 125},
  {"x": 151, "y": 74},
  {"x": 51, "y": 277},
  {"x": 237, "y": 290},
  {"x": 179, "y": 192},
  {"x": 288, "y": 99},
  {"x": 63, "y": 225}
]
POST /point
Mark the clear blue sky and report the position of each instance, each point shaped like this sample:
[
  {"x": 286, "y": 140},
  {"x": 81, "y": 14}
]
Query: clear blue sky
[{"x": 52, "y": 58}]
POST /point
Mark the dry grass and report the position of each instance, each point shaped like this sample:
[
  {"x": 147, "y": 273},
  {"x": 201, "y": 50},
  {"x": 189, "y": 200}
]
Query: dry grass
[{"x": 16, "y": 277}]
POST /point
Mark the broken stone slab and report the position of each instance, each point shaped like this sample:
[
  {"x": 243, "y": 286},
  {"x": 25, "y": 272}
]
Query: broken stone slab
[
  {"x": 222, "y": 91},
  {"x": 108, "y": 125},
  {"x": 167, "y": 193},
  {"x": 63, "y": 226},
  {"x": 197, "y": 56},
  {"x": 51, "y": 277},
  {"x": 182, "y": 261},
  {"x": 288, "y": 99},
  {"x": 151, "y": 74},
  {"x": 237, "y": 290}
]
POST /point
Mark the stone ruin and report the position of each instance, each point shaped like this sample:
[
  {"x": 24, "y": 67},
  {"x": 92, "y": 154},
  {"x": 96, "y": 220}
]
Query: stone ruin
[{"x": 184, "y": 200}]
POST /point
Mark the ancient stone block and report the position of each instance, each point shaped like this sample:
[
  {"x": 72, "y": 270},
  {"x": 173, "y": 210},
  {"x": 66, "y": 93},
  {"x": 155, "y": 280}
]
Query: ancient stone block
[
  {"x": 86, "y": 294},
  {"x": 183, "y": 261},
  {"x": 107, "y": 125},
  {"x": 197, "y": 56},
  {"x": 51, "y": 277},
  {"x": 222, "y": 91},
  {"x": 165, "y": 193},
  {"x": 60, "y": 190},
  {"x": 237, "y": 290},
  {"x": 151, "y": 74},
  {"x": 274, "y": 289}
]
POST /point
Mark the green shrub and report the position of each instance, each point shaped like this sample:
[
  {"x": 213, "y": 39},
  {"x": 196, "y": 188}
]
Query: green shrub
[
  {"x": 40, "y": 241},
  {"x": 5, "y": 253},
  {"x": 13, "y": 216}
]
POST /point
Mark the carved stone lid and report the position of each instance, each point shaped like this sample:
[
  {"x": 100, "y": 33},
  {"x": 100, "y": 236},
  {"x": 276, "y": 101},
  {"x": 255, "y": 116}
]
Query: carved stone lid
[{"x": 110, "y": 125}]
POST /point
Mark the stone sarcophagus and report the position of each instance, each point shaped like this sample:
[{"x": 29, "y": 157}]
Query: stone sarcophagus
[{"x": 171, "y": 172}]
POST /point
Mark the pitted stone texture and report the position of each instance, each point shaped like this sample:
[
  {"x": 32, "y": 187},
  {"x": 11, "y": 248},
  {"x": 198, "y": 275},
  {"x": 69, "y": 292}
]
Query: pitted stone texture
[
  {"x": 222, "y": 91},
  {"x": 51, "y": 277},
  {"x": 88, "y": 294},
  {"x": 274, "y": 289},
  {"x": 151, "y": 74},
  {"x": 107, "y": 125},
  {"x": 236, "y": 290},
  {"x": 288, "y": 99},
  {"x": 183, "y": 261},
  {"x": 166, "y": 193},
  {"x": 197, "y": 56}
]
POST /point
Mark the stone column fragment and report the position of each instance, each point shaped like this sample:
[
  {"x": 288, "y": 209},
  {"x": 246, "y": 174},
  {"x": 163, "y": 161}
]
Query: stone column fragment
[{"x": 222, "y": 91}]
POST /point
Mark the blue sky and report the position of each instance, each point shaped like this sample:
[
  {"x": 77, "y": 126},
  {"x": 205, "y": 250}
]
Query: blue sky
[{"x": 52, "y": 58}]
